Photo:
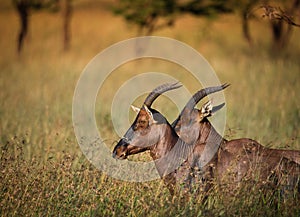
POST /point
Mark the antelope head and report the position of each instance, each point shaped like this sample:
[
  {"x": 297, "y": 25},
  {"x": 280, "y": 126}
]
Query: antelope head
[
  {"x": 189, "y": 123},
  {"x": 148, "y": 126},
  {"x": 142, "y": 135}
]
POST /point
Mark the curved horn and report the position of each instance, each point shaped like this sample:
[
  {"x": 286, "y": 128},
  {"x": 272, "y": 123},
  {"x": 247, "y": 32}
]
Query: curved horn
[
  {"x": 158, "y": 91},
  {"x": 202, "y": 93}
]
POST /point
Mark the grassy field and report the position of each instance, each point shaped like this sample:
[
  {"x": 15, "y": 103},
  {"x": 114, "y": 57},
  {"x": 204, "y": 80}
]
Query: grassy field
[{"x": 42, "y": 169}]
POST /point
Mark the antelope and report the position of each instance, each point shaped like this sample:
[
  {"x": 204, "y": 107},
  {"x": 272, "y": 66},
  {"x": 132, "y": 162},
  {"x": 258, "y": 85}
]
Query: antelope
[
  {"x": 239, "y": 156},
  {"x": 151, "y": 131}
]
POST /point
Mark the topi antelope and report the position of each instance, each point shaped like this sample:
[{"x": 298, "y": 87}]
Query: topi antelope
[
  {"x": 151, "y": 131},
  {"x": 242, "y": 157},
  {"x": 175, "y": 159}
]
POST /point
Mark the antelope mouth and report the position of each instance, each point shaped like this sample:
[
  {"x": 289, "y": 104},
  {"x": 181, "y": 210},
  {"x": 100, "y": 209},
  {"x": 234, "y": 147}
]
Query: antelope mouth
[
  {"x": 121, "y": 150},
  {"x": 122, "y": 156}
]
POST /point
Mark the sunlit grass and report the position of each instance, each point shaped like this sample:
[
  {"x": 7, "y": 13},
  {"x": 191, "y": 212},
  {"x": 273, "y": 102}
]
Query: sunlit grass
[{"x": 43, "y": 171}]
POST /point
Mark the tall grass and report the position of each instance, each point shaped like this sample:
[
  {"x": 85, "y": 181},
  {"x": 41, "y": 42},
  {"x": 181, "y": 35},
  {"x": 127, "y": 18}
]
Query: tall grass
[{"x": 43, "y": 171}]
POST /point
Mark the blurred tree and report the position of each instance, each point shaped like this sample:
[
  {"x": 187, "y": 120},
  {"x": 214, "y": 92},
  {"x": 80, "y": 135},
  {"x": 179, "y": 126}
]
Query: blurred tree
[
  {"x": 243, "y": 8},
  {"x": 23, "y": 11},
  {"x": 25, "y": 7},
  {"x": 281, "y": 21},
  {"x": 208, "y": 8},
  {"x": 146, "y": 13},
  {"x": 67, "y": 14},
  {"x": 151, "y": 15}
]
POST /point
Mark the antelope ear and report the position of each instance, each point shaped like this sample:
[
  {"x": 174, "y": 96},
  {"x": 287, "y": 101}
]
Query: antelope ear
[
  {"x": 135, "y": 109},
  {"x": 206, "y": 109},
  {"x": 217, "y": 108},
  {"x": 151, "y": 121}
]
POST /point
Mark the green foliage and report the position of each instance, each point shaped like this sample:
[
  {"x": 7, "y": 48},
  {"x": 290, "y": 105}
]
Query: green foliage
[
  {"x": 51, "y": 5},
  {"x": 206, "y": 8},
  {"x": 145, "y": 13}
]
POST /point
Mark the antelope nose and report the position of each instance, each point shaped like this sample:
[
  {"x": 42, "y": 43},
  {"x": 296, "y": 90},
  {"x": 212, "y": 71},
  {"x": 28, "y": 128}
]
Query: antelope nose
[
  {"x": 120, "y": 155},
  {"x": 120, "y": 150},
  {"x": 114, "y": 155}
]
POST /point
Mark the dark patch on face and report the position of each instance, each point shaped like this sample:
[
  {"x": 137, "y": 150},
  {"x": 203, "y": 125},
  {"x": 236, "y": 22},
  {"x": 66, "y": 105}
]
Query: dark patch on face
[{"x": 120, "y": 150}]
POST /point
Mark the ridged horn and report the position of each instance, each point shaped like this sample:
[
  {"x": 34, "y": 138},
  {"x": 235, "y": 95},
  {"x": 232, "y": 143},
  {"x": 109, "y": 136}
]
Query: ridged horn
[
  {"x": 158, "y": 91},
  {"x": 202, "y": 93}
]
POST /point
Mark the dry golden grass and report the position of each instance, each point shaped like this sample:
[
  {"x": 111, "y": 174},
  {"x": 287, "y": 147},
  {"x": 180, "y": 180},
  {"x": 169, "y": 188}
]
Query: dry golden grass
[{"x": 43, "y": 171}]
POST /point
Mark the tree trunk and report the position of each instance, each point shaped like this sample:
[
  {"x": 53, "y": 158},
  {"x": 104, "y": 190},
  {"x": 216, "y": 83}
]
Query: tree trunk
[
  {"x": 23, "y": 11},
  {"x": 281, "y": 30},
  {"x": 67, "y": 13},
  {"x": 245, "y": 27}
]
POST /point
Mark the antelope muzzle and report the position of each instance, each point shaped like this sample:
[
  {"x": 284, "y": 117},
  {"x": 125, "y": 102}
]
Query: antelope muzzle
[{"x": 121, "y": 150}]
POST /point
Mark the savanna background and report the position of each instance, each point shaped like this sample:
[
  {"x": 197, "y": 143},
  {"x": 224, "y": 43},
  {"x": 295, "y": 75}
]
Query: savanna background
[{"x": 43, "y": 171}]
